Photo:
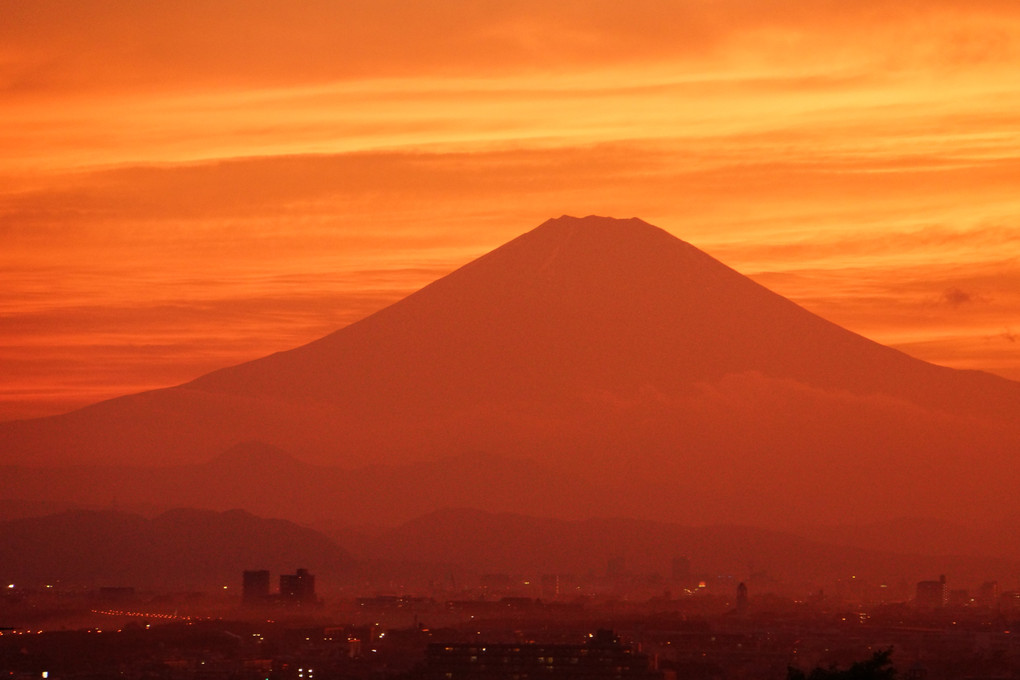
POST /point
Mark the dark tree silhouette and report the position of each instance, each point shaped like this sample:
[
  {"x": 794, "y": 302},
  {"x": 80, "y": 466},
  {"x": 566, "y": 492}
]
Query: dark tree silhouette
[{"x": 878, "y": 667}]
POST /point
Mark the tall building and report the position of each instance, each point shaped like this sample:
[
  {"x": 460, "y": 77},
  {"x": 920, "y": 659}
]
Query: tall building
[
  {"x": 299, "y": 587},
  {"x": 932, "y": 594},
  {"x": 255, "y": 587},
  {"x": 742, "y": 598},
  {"x": 988, "y": 593}
]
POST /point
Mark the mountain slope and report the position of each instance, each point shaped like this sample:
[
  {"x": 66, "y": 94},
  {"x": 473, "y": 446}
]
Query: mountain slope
[
  {"x": 270, "y": 483},
  {"x": 588, "y": 304},
  {"x": 610, "y": 350}
]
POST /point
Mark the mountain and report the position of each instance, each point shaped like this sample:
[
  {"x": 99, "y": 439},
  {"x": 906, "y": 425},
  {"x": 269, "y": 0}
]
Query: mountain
[
  {"x": 181, "y": 549},
  {"x": 359, "y": 503},
  {"x": 269, "y": 482},
  {"x": 641, "y": 375}
]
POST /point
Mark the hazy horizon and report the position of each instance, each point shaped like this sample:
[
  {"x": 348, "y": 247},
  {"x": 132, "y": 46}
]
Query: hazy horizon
[{"x": 589, "y": 367}]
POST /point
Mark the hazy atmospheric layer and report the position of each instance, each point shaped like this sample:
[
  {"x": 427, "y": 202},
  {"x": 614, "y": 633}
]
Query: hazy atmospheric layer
[{"x": 590, "y": 367}]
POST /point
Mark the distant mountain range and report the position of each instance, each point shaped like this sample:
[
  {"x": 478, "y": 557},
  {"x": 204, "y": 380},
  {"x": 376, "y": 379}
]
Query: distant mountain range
[
  {"x": 350, "y": 503},
  {"x": 187, "y": 550},
  {"x": 179, "y": 550},
  {"x": 590, "y": 368}
]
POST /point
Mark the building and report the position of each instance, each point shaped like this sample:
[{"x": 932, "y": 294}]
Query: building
[
  {"x": 932, "y": 594},
  {"x": 603, "y": 656},
  {"x": 742, "y": 598},
  {"x": 297, "y": 588},
  {"x": 988, "y": 593},
  {"x": 255, "y": 587},
  {"x": 550, "y": 586}
]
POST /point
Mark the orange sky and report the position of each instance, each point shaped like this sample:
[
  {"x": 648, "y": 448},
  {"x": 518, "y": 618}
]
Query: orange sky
[{"x": 189, "y": 185}]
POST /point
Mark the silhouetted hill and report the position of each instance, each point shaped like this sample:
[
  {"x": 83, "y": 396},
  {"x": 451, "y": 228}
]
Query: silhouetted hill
[
  {"x": 188, "y": 549},
  {"x": 180, "y": 549},
  {"x": 639, "y": 376},
  {"x": 271, "y": 483}
]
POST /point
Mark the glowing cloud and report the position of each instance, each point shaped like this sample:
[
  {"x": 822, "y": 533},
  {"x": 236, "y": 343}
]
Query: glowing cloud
[{"x": 215, "y": 181}]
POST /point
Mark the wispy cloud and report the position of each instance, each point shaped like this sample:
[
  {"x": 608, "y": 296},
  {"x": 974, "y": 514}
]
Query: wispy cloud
[
  {"x": 283, "y": 168},
  {"x": 954, "y": 297}
]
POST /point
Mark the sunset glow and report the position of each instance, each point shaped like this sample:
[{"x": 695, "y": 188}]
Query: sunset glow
[{"x": 187, "y": 187}]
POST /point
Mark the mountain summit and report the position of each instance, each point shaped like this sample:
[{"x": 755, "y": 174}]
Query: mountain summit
[
  {"x": 580, "y": 305},
  {"x": 598, "y": 345}
]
